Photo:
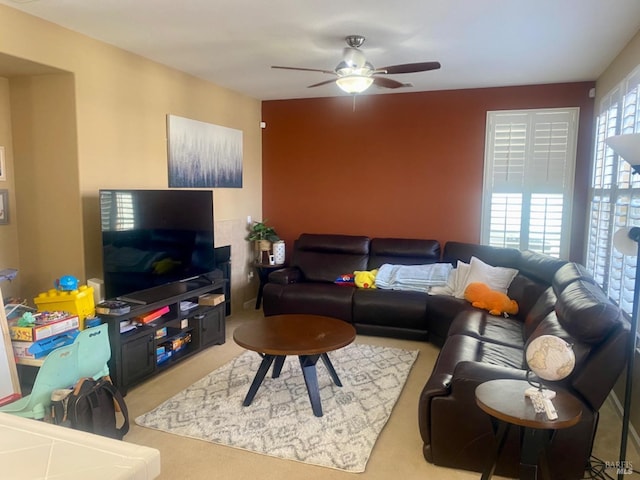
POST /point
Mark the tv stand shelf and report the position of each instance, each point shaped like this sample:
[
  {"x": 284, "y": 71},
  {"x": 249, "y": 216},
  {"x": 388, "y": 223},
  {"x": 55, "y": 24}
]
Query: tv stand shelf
[{"x": 150, "y": 348}]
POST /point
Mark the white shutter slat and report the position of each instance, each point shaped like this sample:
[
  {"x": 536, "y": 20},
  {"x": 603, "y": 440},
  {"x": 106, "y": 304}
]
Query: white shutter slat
[
  {"x": 545, "y": 223},
  {"x": 509, "y": 153},
  {"x": 506, "y": 213},
  {"x": 550, "y": 152}
]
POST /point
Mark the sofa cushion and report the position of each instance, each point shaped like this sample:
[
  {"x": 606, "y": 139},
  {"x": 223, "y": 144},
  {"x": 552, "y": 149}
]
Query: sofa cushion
[
  {"x": 496, "y": 256},
  {"x": 586, "y": 313},
  {"x": 550, "y": 325},
  {"x": 538, "y": 266},
  {"x": 322, "y": 258},
  {"x": 464, "y": 348},
  {"x": 526, "y": 292},
  {"x": 441, "y": 310},
  {"x": 545, "y": 304},
  {"x": 400, "y": 251},
  {"x": 312, "y": 298},
  {"x": 489, "y": 328},
  {"x": 569, "y": 273},
  {"x": 393, "y": 308}
]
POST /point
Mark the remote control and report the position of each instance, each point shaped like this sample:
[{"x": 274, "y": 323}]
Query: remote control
[
  {"x": 550, "y": 409},
  {"x": 529, "y": 392}
]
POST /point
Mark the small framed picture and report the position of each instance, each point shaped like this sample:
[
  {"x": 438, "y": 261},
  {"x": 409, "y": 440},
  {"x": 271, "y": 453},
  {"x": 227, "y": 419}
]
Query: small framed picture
[
  {"x": 4, "y": 207},
  {"x": 3, "y": 168}
]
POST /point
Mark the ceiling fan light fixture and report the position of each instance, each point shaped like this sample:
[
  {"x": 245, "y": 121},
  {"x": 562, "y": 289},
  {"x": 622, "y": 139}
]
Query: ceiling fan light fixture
[
  {"x": 354, "y": 58},
  {"x": 355, "y": 74},
  {"x": 354, "y": 83}
]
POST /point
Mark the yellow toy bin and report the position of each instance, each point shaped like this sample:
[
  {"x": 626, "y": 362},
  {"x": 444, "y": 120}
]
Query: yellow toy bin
[{"x": 79, "y": 302}]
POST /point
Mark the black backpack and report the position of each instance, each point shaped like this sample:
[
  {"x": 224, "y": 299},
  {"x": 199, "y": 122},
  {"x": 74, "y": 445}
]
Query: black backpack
[{"x": 91, "y": 407}]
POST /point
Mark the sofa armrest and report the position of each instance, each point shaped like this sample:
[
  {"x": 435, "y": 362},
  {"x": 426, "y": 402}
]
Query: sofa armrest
[
  {"x": 467, "y": 375},
  {"x": 462, "y": 384},
  {"x": 437, "y": 386},
  {"x": 286, "y": 275}
]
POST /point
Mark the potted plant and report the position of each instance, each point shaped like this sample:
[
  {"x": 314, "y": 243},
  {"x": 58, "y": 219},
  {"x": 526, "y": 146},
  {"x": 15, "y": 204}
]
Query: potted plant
[{"x": 263, "y": 235}]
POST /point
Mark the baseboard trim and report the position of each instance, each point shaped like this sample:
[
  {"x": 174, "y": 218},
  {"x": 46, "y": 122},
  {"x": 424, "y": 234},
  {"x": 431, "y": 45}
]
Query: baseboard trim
[{"x": 249, "y": 304}]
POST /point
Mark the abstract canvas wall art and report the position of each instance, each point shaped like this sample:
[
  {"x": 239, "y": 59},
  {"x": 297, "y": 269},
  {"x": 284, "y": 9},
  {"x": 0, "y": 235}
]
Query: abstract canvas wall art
[{"x": 203, "y": 154}]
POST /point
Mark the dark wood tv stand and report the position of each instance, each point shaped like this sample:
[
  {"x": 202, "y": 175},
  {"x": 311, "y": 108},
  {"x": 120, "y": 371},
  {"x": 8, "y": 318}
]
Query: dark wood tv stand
[{"x": 134, "y": 354}]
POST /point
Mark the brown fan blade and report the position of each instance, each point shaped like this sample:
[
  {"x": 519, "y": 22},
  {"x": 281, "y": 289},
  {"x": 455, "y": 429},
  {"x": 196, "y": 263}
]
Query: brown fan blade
[
  {"x": 321, "y": 83},
  {"x": 389, "y": 82},
  {"x": 412, "y": 67},
  {"x": 330, "y": 72}
]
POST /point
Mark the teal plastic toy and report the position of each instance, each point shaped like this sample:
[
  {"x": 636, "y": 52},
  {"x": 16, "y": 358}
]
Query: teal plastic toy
[
  {"x": 67, "y": 283},
  {"x": 87, "y": 356}
]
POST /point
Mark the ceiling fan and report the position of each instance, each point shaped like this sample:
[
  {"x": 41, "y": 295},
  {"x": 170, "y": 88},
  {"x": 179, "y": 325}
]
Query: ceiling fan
[{"x": 355, "y": 73}]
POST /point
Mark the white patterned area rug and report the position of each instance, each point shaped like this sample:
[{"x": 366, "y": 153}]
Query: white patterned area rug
[{"x": 280, "y": 421}]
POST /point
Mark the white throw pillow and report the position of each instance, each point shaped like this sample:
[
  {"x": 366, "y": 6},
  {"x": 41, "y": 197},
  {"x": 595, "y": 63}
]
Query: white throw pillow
[
  {"x": 497, "y": 278},
  {"x": 460, "y": 281}
]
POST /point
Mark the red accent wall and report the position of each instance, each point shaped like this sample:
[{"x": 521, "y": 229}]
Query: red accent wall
[{"x": 400, "y": 165}]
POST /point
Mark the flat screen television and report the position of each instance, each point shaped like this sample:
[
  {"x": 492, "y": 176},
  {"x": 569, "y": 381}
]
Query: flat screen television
[{"x": 155, "y": 237}]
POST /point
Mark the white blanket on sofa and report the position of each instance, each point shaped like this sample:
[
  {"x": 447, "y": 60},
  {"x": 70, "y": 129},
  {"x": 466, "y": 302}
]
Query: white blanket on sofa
[{"x": 418, "y": 278}]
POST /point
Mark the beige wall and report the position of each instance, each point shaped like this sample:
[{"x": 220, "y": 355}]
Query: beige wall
[
  {"x": 118, "y": 103},
  {"x": 9, "y": 253},
  {"x": 619, "y": 68},
  {"x": 46, "y": 180}
]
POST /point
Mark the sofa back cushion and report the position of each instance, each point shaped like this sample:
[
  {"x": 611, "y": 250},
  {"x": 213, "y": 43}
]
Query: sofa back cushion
[
  {"x": 545, "y": 304},
  {"x": 585, "y": 312},
  {"x": 583, "y": 316},
  {"x": 538, "y": 266},
  {"x": 569, "y": 273},
  {"x": 550, "y": 325},
  {"x": 322, "y": 258},
  {"x": 527, "y": 293},
  {"x": 400, "y": 251},
  {"x": 495, "y": 256}
]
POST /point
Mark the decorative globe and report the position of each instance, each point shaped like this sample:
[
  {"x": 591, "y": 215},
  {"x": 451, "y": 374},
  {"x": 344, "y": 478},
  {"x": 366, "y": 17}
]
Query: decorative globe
[{"x": 550, "y": 358}]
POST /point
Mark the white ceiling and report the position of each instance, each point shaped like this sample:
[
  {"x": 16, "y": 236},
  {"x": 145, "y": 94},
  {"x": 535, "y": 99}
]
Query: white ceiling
[{"x": 480, "y": 43}]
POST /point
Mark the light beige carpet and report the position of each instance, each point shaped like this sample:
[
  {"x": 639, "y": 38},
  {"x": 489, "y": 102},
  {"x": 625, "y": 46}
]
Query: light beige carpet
[{"x": 280, "y": 422}]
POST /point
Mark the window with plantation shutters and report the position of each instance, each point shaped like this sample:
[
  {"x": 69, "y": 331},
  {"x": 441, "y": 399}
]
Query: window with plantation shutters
[
  {"x": 614, "y": 196},
  {"x": 528, "y": 179}
]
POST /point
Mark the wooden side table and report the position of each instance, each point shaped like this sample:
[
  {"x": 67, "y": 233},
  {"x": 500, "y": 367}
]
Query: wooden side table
[
  {"x": 504, "y": 400},
  {"x": 263, "y": 270}
]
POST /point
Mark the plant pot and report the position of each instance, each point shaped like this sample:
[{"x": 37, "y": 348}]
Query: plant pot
[
  {"x": 264, "y": 245},
  {"x": 263, "y": 250}
]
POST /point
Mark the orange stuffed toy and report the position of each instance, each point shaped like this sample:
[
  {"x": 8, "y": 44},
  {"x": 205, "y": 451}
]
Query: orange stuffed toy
[{"x": 497, "y": 303}]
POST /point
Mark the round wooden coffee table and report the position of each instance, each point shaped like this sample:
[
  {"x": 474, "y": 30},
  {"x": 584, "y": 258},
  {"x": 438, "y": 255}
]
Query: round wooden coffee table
[
  {"x": 505, "y": 401},
  {"x": 309, "y": 337}
]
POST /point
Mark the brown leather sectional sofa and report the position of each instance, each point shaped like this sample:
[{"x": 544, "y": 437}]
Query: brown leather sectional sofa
[{"x": 555, "y": 297}]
